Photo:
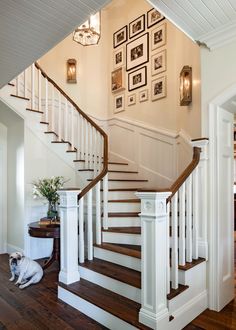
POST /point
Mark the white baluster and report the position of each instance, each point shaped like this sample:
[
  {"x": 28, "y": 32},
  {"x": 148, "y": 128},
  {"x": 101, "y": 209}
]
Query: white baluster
[
  {"x": 90, "y": 224},
  {"x": 39, "y": 91},
  {"x": 52, "y": 109},
  {"x": 66, "y": 121},
  {"x": 195, "y": 212},
  {"x": 69, "y": 236},
  {"x": 78, "y": 135},
  {"x": 99, "y": 151},
  {"x": 46, "y": 100},
  {"x": 182, "y": 217},
  {"x": 81, "y": 230},
  {"x": 33, "y": 86},
  {"x": 105, "y": 201},
  {"x": 174, "y": 238},
  {"x": 189, "y": 240},
  {"x": 25, "y": 83},
  {"x": 98, "y": 214},
  {"x": 72, "y": 129},
  {"x": 90, "y": 149},
  {"x": 17, "y": 85},
  {"x": 95, "y": 151},
  {"x": 82, "y": 138},
  {"x": 168, "y": 248},
  {"x": 86, "y": 144}
]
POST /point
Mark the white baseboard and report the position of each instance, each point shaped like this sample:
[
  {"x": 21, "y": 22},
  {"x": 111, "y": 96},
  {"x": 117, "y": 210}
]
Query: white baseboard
[{"x": 12, "y": 248}]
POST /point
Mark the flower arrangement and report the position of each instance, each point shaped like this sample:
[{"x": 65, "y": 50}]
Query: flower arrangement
[{"x": 48, "y": 188}]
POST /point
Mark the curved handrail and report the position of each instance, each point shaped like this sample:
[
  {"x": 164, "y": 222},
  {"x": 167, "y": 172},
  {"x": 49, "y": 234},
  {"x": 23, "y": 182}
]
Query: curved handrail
[
  {"x": 105, "y": 145},
  {"x": 186, "y": 173}
]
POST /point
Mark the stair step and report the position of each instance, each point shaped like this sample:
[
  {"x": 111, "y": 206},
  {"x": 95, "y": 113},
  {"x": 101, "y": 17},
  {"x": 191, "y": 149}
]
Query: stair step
[
  {"x": 44, "y": 122},
  {"x": 124, "y": 201},
  {"x": 123, "y": 189},
  {"x": 51, "y": 132},
  {"x": 113, "y": 303},
  {"x": 130, "y": 172},
  {"x": 123, "y": 214},
  {"x": 11, "y": 84},
  {"x": 124, "y": 230},
  {"x": 114, "y": 271},
  {"x": 129, "y": 250},
  {"x": 86, "y": 170},
  {"x": 175, "y": 292},
  {"x": 117, "y": 163},
  {"x": 21, "y": 97},
  {"x": 192, "y": 264},
  {"x": 34, "y": 110},
  {"x": 74, "y": 150}
]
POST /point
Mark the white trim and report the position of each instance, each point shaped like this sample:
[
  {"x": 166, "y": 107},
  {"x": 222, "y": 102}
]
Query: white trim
[
  {"x": 3, "y": 188},
  {"x": 12, "y": 248}
]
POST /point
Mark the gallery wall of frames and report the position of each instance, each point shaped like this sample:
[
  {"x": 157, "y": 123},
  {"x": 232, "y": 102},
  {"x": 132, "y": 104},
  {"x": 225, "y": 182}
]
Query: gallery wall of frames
[{"x": 140, "y": 43}]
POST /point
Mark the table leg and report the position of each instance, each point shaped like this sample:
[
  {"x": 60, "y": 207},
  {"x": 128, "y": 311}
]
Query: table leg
[{"x": 55, "y": 256}]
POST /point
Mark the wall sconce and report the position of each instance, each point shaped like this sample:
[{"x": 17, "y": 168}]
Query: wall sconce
[
  {"x": 186, "y": 85},
  {"x": 71, "y": 71}
]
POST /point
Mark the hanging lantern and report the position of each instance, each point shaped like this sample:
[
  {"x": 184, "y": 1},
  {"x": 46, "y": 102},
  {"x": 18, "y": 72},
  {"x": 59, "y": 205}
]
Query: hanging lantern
[{"x": 88, "y": 33}]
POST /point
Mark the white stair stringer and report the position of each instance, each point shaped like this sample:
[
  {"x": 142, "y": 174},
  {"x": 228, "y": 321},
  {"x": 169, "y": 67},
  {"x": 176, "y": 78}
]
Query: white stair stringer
[
  {"x": 118, "y": 258},
  {"x": 111, "y": 284}
]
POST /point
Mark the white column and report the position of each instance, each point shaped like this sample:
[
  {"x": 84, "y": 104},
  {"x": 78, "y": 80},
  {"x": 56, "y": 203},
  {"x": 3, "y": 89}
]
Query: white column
[
  {"x": 154, "y": 312},
  {"x": 69, "y": 272}
]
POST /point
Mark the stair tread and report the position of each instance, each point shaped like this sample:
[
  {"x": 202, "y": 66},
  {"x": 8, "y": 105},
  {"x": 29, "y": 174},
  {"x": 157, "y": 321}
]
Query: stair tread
[
  {"x": 117, "y": 163},
  {"x": 192, "y": 264},
  {"x": 123, "y": 214},
  {"x": 123, "y": 189},
  {"x": 117, "y": 272},
  {"x": 130, "y": 172},
  {"x": 51, "y": 132},
  {"x": 124, "y": 201},
  {"x": 126, "y": 249},
  {"x": 44, "y": 122},
  {"x": 124, "y": 180},
  {"x": 175, "y": 292},
  {"x": 20, "y": 97},
  {"x": 34, "y": 110},
  {"x": 124, "y": 230},
  {"x": 117, "y": 305}
]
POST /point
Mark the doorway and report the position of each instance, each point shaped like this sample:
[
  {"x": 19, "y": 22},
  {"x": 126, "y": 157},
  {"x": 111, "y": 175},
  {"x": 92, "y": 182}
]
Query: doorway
[{"x": 3, "y": 188}]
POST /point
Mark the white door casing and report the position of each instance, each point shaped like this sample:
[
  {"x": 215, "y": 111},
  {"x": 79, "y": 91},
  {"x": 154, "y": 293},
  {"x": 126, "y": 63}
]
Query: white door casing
[
  {"x": 220, "y": 198},
  {"x": 3, "y": 188}
]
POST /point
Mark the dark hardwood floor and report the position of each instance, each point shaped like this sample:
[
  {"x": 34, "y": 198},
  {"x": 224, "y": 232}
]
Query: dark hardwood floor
[{"x": 37, "y": 306}]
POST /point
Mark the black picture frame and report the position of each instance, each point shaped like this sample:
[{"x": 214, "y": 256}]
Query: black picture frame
[
  {"x": 137, "y": 26},
  {"x": 137, "y": 78},
  {"x": 137, "y": 52},
  {"x": 154, "y": 17},
  {"x": 120, "y": 36}
]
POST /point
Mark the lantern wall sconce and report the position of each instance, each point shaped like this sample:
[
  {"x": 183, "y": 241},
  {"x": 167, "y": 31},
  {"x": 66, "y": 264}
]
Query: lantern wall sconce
[
  {"x": 71, "y": 71},
  {"x": 186, "y": 85}
]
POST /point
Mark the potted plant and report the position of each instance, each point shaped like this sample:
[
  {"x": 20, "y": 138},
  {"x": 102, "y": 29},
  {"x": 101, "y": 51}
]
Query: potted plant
[{"x": 48, "y": 188}]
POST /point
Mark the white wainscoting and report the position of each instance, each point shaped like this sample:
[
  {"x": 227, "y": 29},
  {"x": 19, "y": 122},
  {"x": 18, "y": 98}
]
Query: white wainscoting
[{"x": 184, "y": 151}]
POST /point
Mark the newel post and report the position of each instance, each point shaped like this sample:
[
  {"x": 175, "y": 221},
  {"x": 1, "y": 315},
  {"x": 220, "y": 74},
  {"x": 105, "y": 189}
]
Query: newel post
[
  {"x": 155, "y": 231},
  {"x": 69, "y": 272}
]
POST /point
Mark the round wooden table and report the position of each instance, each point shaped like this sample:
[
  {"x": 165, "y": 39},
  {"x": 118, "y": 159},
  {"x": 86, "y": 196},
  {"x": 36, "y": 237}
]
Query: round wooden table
[{"x": 47, "y": 231}]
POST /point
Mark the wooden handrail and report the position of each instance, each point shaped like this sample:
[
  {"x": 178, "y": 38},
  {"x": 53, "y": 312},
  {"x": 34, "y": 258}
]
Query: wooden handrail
[
  {"x": 105, "y": 145},
  {"x": 186, "y": 173}
]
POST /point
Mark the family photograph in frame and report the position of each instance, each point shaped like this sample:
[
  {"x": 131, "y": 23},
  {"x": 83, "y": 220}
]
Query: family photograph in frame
[
  {"x": 117, "y": 80},
  {"x": 153, "y": 17},
  {"x": 158, "y": 37},
  {"x": 120, "y": 36},
  {"x": 131, "y": 99},
  {"x": 143, "y": 95},
  {"x": 137, "y": 26},
  {"x": 119, "y": 103},
  {"x": 137, "y": 78},
  {"x": 118, "y": 58},
  {"x": 137, "y": 52},
  {"x": 158, "y": 62},
  {"x": 158, "y": 88}
]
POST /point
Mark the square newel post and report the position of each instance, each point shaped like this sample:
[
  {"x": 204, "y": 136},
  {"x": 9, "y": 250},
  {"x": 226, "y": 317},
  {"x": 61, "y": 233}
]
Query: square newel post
[
  {"x": 155, "y": 231},
  {"x": 69, "y": 272}
]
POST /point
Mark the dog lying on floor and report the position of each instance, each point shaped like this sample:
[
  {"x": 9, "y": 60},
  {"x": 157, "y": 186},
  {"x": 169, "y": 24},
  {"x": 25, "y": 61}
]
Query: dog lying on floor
[{"x": 28, "y": 271}]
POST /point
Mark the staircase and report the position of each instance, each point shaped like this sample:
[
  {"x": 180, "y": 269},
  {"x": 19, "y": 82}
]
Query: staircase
[{"x": 137, "y": 261}]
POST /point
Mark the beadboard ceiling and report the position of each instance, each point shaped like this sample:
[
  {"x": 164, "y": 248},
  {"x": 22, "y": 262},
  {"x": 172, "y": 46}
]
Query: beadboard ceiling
[
  {"x": 212, "y": 22},
  {"x": 29, "y": 28}
]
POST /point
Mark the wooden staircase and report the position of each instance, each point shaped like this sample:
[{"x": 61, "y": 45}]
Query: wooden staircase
[{"x": 111, "y": 268}]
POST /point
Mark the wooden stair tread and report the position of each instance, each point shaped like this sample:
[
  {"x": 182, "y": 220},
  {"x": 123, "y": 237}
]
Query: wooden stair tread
[
  {"x": 44, "y": 122},
  {"x": 192, "y": 264},
  {"x": 122, "y": 249},
  {"x": 125, "y": 180},
  {"x": 117, "y": 163},
  {"x": 123, "y": 215},
  {"x": 113, "y": 303},
  {"x": 124, "y": 201},
  {"x": 117, "y": 272},
  {"x": 124, "y": 230},
  {"x": 114, "y": 171},
  {"x": 123, "y": 189},
  {"x": 86, "y": 170},
  {"x": 175, "y": 292},
  {"x": 61, "y": 142},
  {"x": 20, "y": 97},
  {"x": 51, "y": 132},
  {"x": 34, "y": 110},
  {"x": 11, "y": 84}
]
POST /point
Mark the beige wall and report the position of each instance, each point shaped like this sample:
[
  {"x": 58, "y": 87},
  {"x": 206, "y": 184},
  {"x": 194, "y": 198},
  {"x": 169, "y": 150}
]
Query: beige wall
[{"x": 95, "y": 63}]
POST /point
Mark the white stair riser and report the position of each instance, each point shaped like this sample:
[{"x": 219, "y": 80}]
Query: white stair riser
[
  {"x": 124, "y": 207},
  {"x": 116, "y": 175},
  {"x": 126, "y": 184},
  {"x": 118, "y": 258},
  {"x": 121, "y": 238},
  {"x": 117, "y": 167},
  {"x": 98, "y": 314},
  {"x": 106, "y": 282},
  {"x": 121, "y": 195},
  {"x": 124, "y": 222}
]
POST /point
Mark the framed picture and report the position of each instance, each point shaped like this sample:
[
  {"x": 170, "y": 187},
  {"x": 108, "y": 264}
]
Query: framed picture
[
  {"x": 137, "y": 52},
  {"x": 137, "y": 78},
  {"x": 158, "y": 88},
  {"x": 158, "y": 38},
  {"x": 117, "y": 80},
  {"x": 143, "y": 95},
  {"x": 118, "y": 58},
  {"x": 131, "y": 99},
  {"x": 137, "y": 26},
  {"x": 158, "y": 62},
  {"x": 120, "y": 36},
  {"x": 119, "y": 103},
  {"x": 153, "y": 17}
]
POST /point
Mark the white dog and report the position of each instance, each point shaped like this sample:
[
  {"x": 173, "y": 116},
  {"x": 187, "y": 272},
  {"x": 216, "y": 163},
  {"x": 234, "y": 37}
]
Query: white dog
[{"x": 27, "y": 270}]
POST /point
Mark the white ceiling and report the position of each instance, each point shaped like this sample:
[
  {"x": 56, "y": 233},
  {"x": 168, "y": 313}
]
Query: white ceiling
[
  {"x": 212, "y": 22},
  {"x": 29, "y": 28}
]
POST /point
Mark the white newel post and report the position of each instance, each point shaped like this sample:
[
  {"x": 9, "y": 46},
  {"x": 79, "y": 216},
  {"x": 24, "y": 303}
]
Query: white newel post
[
  {"x": 69, "y": 272},
  {"x": 202, "y": 193},
  {"x": 154, "y": 218}
]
